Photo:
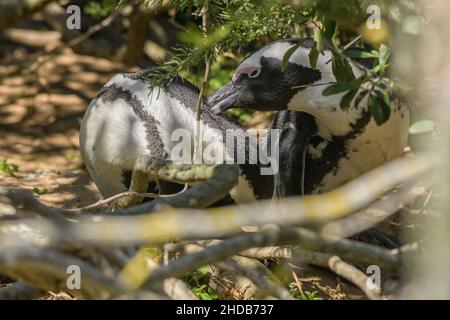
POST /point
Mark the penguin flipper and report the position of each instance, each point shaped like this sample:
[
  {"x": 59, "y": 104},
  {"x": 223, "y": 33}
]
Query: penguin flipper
[{"x": 296, "y": 130}]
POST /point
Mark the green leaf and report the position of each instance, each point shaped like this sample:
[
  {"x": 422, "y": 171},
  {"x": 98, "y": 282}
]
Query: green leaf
[
  {"x": 384, "y": 94},
  {"x": 8, "y": 168},
  {"x": 358, "y": 81},
  {"x": 422, "y": 126},
  {"x": 318, "y": 39},
  {"x": 329, "y": 27},
  {"x": 337, "y": 88},
  {"x": 313, "y": 56},
  {"x": 351, "y": 53},
  {"x": 348, "y": 98},
  {"x": 385, "y": 52},
  {"x": 287, "y": 55},
  {"x": 378, "y": 108},
  {"x": 361, "y": 95},
  {"x": 341, "y": 69}
]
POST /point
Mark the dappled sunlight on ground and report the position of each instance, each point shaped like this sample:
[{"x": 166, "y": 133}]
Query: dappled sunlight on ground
[{"x": 39, "y": 125}]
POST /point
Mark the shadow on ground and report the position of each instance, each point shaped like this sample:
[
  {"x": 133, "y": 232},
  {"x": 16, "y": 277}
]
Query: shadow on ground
[{"x": 39, "y": 123}]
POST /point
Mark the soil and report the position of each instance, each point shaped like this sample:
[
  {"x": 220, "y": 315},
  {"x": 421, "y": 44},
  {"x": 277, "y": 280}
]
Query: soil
[{"x": 39, "y": 123}]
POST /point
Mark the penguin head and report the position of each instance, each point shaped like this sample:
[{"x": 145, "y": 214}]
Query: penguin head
[{"x": 259, "y": 83}]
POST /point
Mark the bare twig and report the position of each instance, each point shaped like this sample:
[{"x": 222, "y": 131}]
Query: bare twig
[
  {"x": 135, "y": 273},
  {"x": 216, "y": 182},
  {"x": 326, "y": 260},
  {"x": 222, "y": 221},
  {"x": 125, "y": 194},
  {"x": 19, "y": 291},
  {"x": 259, "y": 274},
  {"x": 25, "y": 198},
  {"x": 355, "y": 276},
  {"x": 371, "y": 216},
  {"x": 298, "y": 284},
  {"x": 257, "y": 277},
  {"x": 46, "y": 269},
  {"x": 217, "y": 251},
  {"x": 204, "y": 86}
]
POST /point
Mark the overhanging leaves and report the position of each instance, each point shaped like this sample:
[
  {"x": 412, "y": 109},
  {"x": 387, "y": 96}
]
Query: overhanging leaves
[
  {"x": 338, "y": 88},
  {"x": 342, "y": 70},
  {"x": 287, "y": 55},
  {"x": 379, "y": 110}
]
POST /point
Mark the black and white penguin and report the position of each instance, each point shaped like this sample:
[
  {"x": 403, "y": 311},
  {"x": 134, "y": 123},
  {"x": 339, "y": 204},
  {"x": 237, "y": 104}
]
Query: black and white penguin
[
  {"x": 128, "y": 119},
  {"x": 321, "y": 145}
]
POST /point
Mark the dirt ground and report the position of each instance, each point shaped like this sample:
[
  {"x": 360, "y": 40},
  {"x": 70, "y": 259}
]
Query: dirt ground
[{"x": 39, "y": 123}]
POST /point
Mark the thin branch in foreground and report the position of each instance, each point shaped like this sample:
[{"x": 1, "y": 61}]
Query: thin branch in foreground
[
  {"x": 215, "y": 183},
  {"x": 19, "y": 291},
  {"x": 216, "y": 222},
  {"x": 326, "y": 260},
  {"x": 198, "y": 108},
  {"x": 25, "y": 198},
  {"x": 272, "y": 235},
  {"x": 102, "y": 202},
  {"x": 46, "y": 269},
  {"x": 136, "y": 271},
  {"x": 259, "y": 274},
  {"x": 373, "y": 215},
  {"x": 355, "y": 276}
]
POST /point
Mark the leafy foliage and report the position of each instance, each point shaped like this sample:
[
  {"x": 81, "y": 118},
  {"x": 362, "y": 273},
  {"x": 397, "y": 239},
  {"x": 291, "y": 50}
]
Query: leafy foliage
[
  {"x": 199, "y": 284},
  {"x": 8, "y": 168},
  {"x": 374, "y": 83},
  {"x": 204, "y": 292},
  {"x": 99, "y": 9},
  {"x": 306, "y": 295},
  {"x": 237, "y": 24},
  {"x": 232, "y": 24}
]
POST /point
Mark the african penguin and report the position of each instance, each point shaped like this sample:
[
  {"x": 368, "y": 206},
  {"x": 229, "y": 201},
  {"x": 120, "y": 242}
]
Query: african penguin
[
  {"x": 329, "y": 145},
  {"x": 128, "y": 118}
]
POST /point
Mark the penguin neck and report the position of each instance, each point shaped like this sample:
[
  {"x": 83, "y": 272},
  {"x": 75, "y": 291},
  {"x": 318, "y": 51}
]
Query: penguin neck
[
  {"x": 233, "y": 144},
  {"x": 326, "y": 109},
  {"x": 224, "y": 140},
  {"x": 332, "y": 120}
]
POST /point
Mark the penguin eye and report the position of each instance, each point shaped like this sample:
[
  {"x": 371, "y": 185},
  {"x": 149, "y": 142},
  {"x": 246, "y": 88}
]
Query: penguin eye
[
  {"x": 251, "y": 72},
  {"x": 254, "y": 73}
]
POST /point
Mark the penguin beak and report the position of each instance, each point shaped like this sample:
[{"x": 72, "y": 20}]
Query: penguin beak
[{"x": 225, "y": 98}]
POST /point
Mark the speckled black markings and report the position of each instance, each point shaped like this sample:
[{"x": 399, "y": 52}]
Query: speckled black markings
[
  {"x": 136, "y": 75},
  {"x": 336, "y": 149},
  {"x": 316, "y": 141},
  {"x": 316, "y": 168},
  {"x": 154, "y": 143},
  {"x": 274, "y": 89}
]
